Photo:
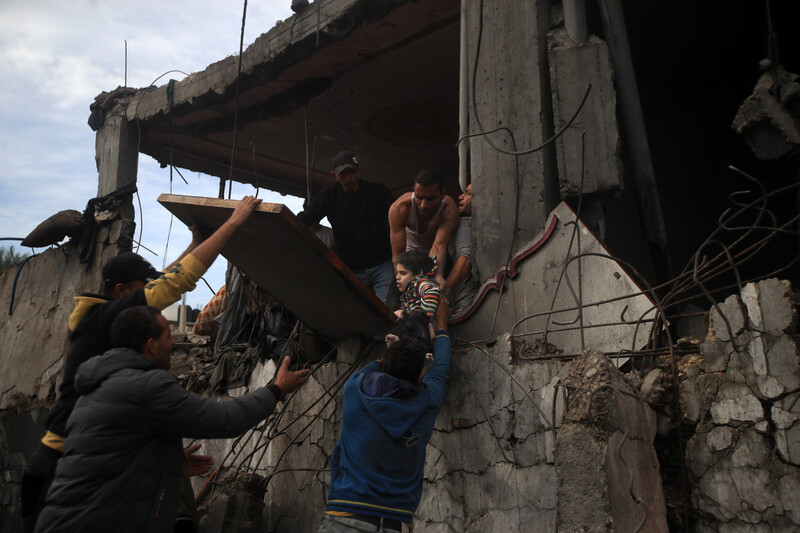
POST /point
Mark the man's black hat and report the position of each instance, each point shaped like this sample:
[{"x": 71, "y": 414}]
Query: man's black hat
[
  {"x": 128, "y": 267},
  {"x": 343, "y": 160}
]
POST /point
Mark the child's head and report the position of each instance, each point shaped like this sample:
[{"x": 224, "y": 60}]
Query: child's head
[{"x": 411, "y": 264}]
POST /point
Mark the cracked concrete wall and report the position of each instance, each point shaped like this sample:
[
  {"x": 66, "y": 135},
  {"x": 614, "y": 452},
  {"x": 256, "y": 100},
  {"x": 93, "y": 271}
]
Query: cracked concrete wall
[
  {"x": 490, "y": 461},
  {"x": 34, "y": 336},
  {"x": 744, "y": 460},
  {"x": 33, "y": 339}
]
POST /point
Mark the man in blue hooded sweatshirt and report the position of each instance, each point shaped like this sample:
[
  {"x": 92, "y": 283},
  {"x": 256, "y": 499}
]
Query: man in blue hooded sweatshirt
[{"x": 389, "y": 410}]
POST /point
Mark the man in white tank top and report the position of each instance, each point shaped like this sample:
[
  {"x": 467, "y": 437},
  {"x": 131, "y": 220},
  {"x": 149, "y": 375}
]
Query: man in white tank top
[{"x": 423, "y": 219}]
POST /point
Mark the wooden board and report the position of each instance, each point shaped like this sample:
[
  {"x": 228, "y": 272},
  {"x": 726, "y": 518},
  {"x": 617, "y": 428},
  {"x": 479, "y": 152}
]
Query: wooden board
[{"x": 282, "y": 256}]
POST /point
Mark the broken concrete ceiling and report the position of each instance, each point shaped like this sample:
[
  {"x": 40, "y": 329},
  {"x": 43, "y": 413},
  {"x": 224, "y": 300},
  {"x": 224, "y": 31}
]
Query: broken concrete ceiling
[{"x": 379, "y": 77}]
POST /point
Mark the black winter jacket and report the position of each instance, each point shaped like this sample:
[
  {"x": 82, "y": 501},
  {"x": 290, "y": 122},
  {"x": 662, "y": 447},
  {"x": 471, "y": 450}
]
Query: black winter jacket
[{"x": 123, "y": 457}]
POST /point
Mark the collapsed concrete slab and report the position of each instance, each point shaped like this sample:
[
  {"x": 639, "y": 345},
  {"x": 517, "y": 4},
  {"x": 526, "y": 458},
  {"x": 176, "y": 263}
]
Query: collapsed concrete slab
[{"x": 286, "y": 259}]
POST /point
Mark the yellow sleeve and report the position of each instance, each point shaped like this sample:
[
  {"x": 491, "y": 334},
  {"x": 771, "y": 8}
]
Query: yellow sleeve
[
  {"x": 166, "y": 290},
  {"x": 51, "y": 440}
]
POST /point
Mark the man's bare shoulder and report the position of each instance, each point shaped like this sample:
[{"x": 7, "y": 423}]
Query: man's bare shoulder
[
  {"x": 450, "y": 208},
  {"x": 404, "y": 200},
  {"x": 401, "y": 206}
]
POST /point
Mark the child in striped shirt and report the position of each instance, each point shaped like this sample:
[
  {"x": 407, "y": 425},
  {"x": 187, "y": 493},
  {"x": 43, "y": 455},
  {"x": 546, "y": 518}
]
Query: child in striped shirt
[{"x": 418, "y": 290}]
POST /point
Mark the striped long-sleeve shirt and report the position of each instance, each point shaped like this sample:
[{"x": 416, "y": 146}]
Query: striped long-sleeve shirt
[{"x": 421, "y": 293}]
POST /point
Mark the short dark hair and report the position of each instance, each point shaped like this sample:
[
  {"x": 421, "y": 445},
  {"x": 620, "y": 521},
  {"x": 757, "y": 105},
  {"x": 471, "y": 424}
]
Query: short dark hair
[
  {"x": 417, "y": 261},
  {"x": 134, "y": 327},
  {"x": 414, "y": 325},
  {"x": 404, "y": 359},
  {"x": 430, "y": 176}
]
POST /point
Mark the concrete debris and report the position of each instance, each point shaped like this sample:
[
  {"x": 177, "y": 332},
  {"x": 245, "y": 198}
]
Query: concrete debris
[
  {"x": 770, "y": 123},
  {"x": 539, "y": 347},
  {"x": 744, "y": 455},
  {"x": 235, "y": 505},
  {"x": 193, "y": 365},
  {"x": 654, "y": 385},
  {"x": 608, "y": 472},
  {"x": 763, "y": 350}
]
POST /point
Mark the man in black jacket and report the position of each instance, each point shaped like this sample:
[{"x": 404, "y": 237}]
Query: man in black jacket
[
  {"x": 358, "y": 211},
  {"x": 129, "y": 280},
  {"x": 124, "y": 457}
]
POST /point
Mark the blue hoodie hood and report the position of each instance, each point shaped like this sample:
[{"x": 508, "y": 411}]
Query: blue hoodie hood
[{"x": 394, "y": 404}]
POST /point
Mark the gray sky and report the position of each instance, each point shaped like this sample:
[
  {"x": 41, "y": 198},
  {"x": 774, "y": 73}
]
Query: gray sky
[{"x": 56, "y": 56}]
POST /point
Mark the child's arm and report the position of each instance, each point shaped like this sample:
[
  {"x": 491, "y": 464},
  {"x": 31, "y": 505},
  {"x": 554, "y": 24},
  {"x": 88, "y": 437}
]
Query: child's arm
[{"x": 429, "y": 295}]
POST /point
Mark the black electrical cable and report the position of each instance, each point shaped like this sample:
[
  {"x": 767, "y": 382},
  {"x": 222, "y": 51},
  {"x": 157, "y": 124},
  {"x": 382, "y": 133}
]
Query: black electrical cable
[{"x": 236, "y": 100}]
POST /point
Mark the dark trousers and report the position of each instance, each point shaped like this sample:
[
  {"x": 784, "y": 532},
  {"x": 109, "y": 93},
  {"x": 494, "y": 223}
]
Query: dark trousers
[{"x": 36, "y": 481}]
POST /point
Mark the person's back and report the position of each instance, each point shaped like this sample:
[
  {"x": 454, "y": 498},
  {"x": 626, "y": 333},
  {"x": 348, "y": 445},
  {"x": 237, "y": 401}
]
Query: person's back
[
  {"x": 389, "y": 411},
  {"x": 117, "y": 442}
]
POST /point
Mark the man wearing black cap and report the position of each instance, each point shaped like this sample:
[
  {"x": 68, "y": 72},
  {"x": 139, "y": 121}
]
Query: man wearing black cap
[
  {"x": 358, "y": 211},
  {"x": 129, "y": 280}
]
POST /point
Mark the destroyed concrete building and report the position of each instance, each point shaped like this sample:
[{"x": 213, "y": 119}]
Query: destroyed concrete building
[{"x": 630, "y": 362}]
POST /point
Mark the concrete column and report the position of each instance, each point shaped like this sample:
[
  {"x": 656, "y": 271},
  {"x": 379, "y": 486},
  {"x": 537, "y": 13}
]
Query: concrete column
[
  {"x": 597, "y": 155},
  {"x": 635, "y": 135},
  {"x": 511, "y": 90},
  {"x": 575, "y": 20},
  {"x": 117, "y": 156},
  {"x": 609, "y": 477}
]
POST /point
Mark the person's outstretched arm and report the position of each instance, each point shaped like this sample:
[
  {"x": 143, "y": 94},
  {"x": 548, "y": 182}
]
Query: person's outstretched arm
[
  {"x": 197, "y": 240},
  {"x": 181, "y": 278},
  {"x": 440, "y": 316},
  {"x": 436, "y": 378},
  {"x": 172, "y": 410}
]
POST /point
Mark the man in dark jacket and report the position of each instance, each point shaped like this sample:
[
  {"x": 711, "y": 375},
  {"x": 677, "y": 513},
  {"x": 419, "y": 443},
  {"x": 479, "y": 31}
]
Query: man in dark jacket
[
  {"x": 358, "y": 211},
  {"x": 129, "y": 280},
  {"x": 124, "y": 457},
  {"x": 389, "y": 410}
]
